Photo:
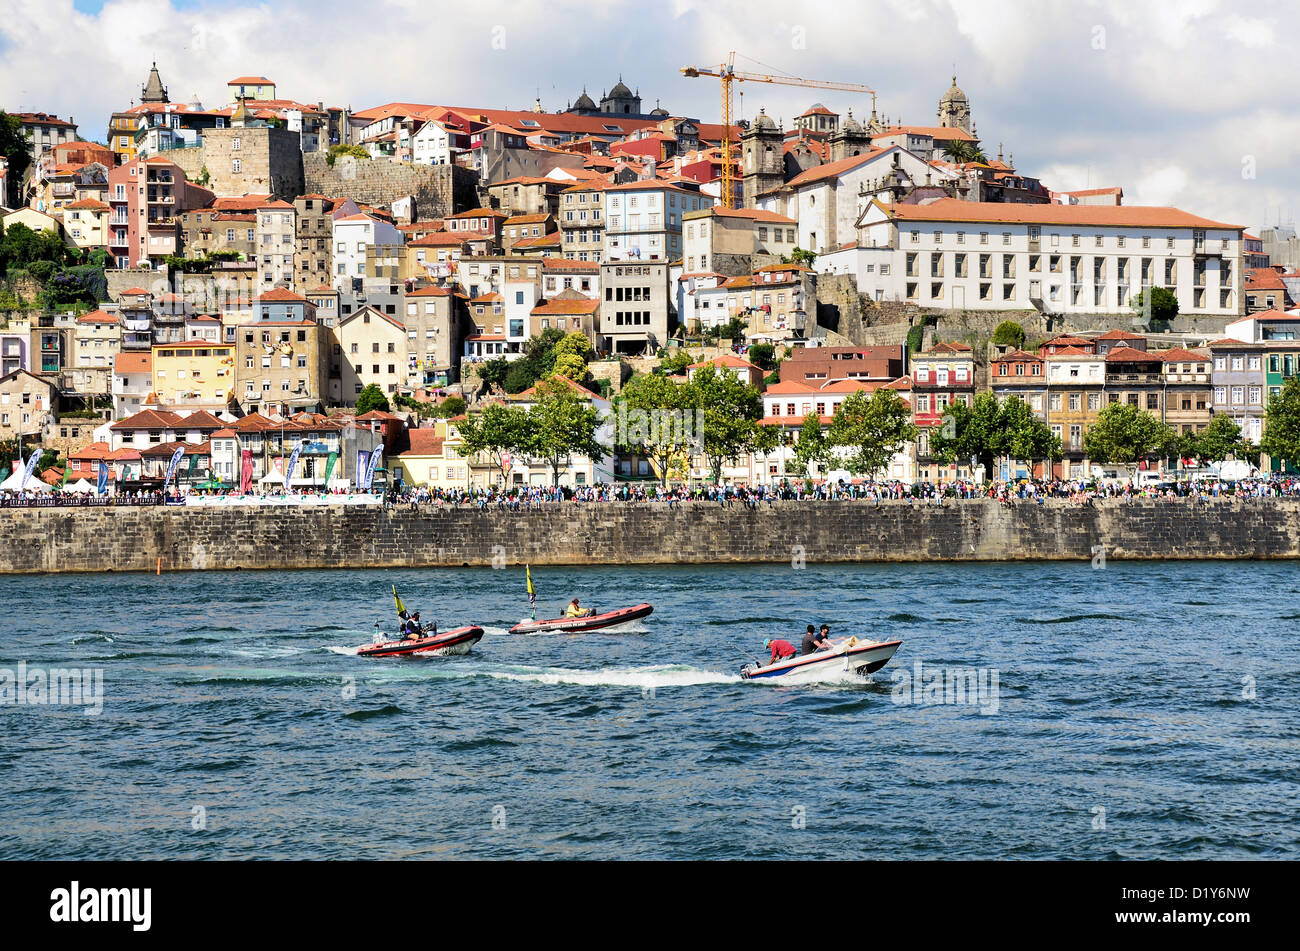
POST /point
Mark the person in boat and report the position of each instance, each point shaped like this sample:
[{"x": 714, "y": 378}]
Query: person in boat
[
  {"x": 781, "y": 650},
  {"x": 813, "y": 641},
  {"x": 577, "y": 610},
  {"x": 411, "y": 631}
]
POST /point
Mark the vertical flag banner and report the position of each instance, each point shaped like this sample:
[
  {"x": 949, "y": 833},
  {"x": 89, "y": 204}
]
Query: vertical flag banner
[
  {"x": 330, "y": 462},
  {"x": 194, "y": 463},
  {"x": 374, "y": 464},
  {"x": 67, "y": 467},
  {"x": 4, "y": 473},
  {"x": 101, "y": 487},
  {"x": 293, "y": 464},
  {"x": 171, "y": 467},
  {"x": 532, "y": 593},
  {"x": 246, "y": 472},
  {"x": 31, "y": 467},
  {"x": 363, "y": 465}
]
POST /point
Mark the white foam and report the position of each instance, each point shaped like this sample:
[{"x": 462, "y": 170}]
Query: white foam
[{"x": 641, "y": 677}]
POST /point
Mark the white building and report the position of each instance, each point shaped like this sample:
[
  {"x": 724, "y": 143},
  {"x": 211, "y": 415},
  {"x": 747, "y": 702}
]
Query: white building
[
  {"x": 277, "y": 243},
  {"x": 643, "y": 220},
  {"x": 1064, "y": 259},
  {"x": 352, "y": 235}
]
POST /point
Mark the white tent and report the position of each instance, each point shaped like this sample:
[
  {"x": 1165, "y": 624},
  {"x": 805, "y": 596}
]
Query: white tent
[
  {"x": 272, "y": 476},
  {"x": 12, "y": 483},
  {"x": 81, "y": 487}
]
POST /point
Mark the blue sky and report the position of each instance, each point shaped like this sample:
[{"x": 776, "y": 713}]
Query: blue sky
[{"x": 1177, "y": 101}]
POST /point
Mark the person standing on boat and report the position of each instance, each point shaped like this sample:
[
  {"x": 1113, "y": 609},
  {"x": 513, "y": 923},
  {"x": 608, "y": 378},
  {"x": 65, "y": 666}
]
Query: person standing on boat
[{"x": 780, "y": 649}]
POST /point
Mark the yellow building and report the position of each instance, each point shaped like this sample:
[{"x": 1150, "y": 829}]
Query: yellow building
[
  {"x": 86, "y": 223},
  {"x": 433, "y": 460},
  {"x": 194, "y": 374}
]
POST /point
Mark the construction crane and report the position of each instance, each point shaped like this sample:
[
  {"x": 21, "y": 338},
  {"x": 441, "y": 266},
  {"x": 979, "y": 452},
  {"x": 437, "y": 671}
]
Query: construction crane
[{"x": 727, "y": 73}]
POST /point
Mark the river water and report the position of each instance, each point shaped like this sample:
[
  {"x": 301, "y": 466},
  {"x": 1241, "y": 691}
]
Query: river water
[{"x": 1146, "y": 710}]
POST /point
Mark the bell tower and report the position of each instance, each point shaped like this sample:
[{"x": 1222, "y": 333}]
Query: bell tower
[{"x": 762, "y": 165}]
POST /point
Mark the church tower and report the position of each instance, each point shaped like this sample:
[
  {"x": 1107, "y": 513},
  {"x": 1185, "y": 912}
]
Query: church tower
[
  {"x": 954, "y": 108},
  {"x": 762, "y": 167},
  {"x": 849, "y": 140},
  {"x": 153, "y": 90}
]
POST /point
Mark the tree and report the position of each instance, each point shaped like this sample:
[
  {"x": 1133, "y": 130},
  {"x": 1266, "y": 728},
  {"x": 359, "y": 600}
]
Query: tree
[
  {"x": 653, "y": 417},
  {"x": 371, "y": 398},
  {"x": 1123, "y": 433},
  {"x": 800, "y": 256},
  {"x": 1024, "y": 435},
  {"x": 335, "y": 151},
  {"x": 14, "y": 147},
  {"x": 1156, "y": 304},
  {"x": 521, "y": 375},
  {"x": 763, "y": 356},
  {"x": 563, "y": 424},
  {"x": 811, "y": 446},
  {"x": 675, "y": 362},
  {"x": 1217, "y": 441},
  {"x": 960, "y": 152},
  {"x": 728, "y": 412},
  {"x": 451, "y": 407},
  {"x": 571, "y": 355},
  {"x": 872, "y": 429},
  {"x": 498, "y": 430},
  {"x": 1282, "y": 424},
  {"x": 1009, "y": 334},
  {"x": 989, "y": 428},
  {"x": 21, "y": 246},
  {"x": 494, "y": 371}
]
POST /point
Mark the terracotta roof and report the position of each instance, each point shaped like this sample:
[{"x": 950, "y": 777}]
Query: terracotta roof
[
  {"x": 279, "y": 204},
  {"x": 950, "y": 348},
  {"x": 1182, "y": 355},
  {"x": 1120, "y": 335},
  {"x": 282, "y": 294},
  {"x": 135, "y": 291},
  {"x": 566, "y": 306},
  {"x": 438, "y": 239},
  {"x": 726, "y": 360},
  {"x": 1129, "y": 355},
  {"x": 478, "y": 213},
  {"x": 1068, "y": 352},
  {"x": 1264, "y": 279},
  {"x": 424, "y": 442},
  {"x": 250, "y": 81},
  {"x": 833, "y": 169},
  {"x": 122, "y": 455},
  {"x": 96, "y": 450},
  {"x": 97, "y": 317},
  {"x": 527, "y": 219},
  {"x": 1113, "y": 216},
  {"x": 133, "y": 361},
  {"x": 431, "y": 290},
  {"x": 87, "y": 203},
  {"x": 1018, "y": 356}
]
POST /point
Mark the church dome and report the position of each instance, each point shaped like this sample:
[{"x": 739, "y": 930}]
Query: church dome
[
  {"x": 660, "y": 112},
  {"x": 954, "y": 94},
  {"x": 584, "y": 102},
  {"x": 620, "y": 91},
  {"x": 764, "y": 121},
  {"x": 851, "y": 124}
]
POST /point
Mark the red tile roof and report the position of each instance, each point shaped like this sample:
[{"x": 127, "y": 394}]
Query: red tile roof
[{"x": 1113, "y": 216}]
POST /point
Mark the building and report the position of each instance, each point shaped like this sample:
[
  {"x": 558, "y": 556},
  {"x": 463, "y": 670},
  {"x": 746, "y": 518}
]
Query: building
[
  {"x": 432, "y": 458},
  {"x": 523, "y": 229},
  {"x": 582, "y": 221},
  {"x": 315, "y": 236},
  {"x": 97, "y": 339},
  {"x": 1188, "y": 392},
  {"x": 277, "y": 245},
  {"x": 1075, "y": 383},
  {"x": 194, "y": 374},
  {"x": 27, "y": 402},
  {"x": 1239, "y": 384},
  {"x": 282, "y": 365},
  {"x": 132, "y": 381},
  {"x": 635, "y": 315},
  {"x": 147, "y": 197},
  {"x": 85, "y": 222},
  {"x": 1059, "y": 259},
  {"x": 44, "y": 131},
  {"x": 352, "y": 235},
  {"x": 373, "y": 349},
  {"x": 644, "y": 220},
  {"x": 817, "y": 365},
  {"x": 569, "y": 311},
  {"x": 527, "y": 195},
  {"x": 1020, "y": 374},
  {"x": 434, "y": 318},
  {"x": 734, "y": 241}
]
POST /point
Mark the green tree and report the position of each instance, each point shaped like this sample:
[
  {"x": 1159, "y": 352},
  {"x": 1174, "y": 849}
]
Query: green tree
[
  {"x": 961, "y": 152},
  {"x": 354, "y": 150},
  {"x": 14, "y": 148},
  {"x": 563, "y": 424},
  {"x": 811, "y": 447},
  {"x": 371, "y": 398},
  {"x": 676, "y": 362},
  {"x": 800, "y": 256},
  {"x": 499, "y": 431},
  {"x": 1156, "y": 304},
  {"x": 1281, "y": 438},
  {"x": 571, "y": 355},
  {"x": 493, "y": 372},
  {"x": 728, "y": 412},
  {"x": 521, "y": 375},
  {"x": 1123, "y": 433},
  {"x": 1024, "y": 435},
  {"x": 988, "y": 428},
  {"x": 21, "y": 246},
  {"x": 451, "y": 407},
  {"x": 872, "y": 429},
  {"x": 1009, "y": 334},
  {"x": 763, "y": 356},
  {"x": 1217, "y": 441},
  {"x": 652, "y": 417}
]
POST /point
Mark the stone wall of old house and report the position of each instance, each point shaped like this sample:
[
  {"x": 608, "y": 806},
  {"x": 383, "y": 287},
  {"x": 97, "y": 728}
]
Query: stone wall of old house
[
  {"x": 133, "y": 539},
  {"x": 439, "y": 190},
  {"x": 270, "y": 162}
]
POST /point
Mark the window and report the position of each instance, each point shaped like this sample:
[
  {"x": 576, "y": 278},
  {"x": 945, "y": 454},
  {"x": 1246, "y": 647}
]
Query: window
[{"x": 236, "y": 166}]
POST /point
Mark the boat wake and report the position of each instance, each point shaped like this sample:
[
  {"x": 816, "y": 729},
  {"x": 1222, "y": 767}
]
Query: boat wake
[{"x": 664, "y": 675}]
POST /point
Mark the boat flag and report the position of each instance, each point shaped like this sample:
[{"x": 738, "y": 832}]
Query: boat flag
[
  {"x": 101, "y": 488},
  {"x": 31, "y": 467},
  {"x": 532, "y": 593},
  {"x": 401, "y": 608},
  {"x": 171, "y": 466}
]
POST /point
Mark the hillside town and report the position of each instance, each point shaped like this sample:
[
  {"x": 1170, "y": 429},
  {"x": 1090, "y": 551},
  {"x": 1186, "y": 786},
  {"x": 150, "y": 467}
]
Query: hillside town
[{"x": 269, "y": 295}]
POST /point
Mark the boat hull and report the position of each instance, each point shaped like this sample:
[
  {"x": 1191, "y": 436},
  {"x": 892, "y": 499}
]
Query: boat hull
[
  {"x": 859, "y": 659},
  {"x": 458, "y": 641},
  {"x": 576, "y": 625}
]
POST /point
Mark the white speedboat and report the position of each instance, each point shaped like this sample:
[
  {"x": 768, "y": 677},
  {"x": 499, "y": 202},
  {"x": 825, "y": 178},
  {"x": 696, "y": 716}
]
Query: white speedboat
[{"x": 851, "y": 657}]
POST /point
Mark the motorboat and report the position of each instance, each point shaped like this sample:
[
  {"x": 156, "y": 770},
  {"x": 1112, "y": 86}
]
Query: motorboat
[
  {"x": 458, "y": 641},
  {"x": 850, "y": 656},
  {"x": 589, "y": 622}
]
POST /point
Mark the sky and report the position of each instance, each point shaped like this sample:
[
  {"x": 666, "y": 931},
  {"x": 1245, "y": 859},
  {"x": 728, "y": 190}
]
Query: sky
[{"x": 1179, "y": 102}]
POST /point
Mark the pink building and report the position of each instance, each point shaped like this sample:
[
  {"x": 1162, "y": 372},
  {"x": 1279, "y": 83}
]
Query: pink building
[{"x": 147, "y": 197}]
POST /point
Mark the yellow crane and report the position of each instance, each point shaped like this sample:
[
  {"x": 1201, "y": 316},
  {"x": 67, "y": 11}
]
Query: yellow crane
[{"x": 727, "y": 73}]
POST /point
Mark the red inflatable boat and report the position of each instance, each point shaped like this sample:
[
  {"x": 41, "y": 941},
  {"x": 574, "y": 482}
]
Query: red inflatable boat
[
  {"x": 575, "y": 625},
  {"x": 458, "y": 641}
]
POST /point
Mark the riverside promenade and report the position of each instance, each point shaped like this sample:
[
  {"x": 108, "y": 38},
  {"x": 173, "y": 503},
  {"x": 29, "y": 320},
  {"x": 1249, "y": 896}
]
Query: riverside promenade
[{"x": 183, "y": 538}]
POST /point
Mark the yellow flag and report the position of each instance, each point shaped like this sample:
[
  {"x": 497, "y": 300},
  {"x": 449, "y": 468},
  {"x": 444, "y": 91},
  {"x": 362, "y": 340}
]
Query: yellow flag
[{"x": 401, "y": 608}]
